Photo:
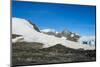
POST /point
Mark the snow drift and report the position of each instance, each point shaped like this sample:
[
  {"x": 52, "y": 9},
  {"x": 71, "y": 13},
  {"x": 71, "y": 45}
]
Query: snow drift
[{"x": 29, "y": 33}]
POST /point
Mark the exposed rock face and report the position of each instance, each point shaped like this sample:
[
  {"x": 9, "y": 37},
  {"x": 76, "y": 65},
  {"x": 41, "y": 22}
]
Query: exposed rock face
[
  {"x": 34, "y": 26},
  {"x": 15, "y": 35},
  {"x": 70, "y": 35}
]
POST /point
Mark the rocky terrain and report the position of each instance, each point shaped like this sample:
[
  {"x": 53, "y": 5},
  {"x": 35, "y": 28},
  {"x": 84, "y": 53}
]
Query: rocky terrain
[{"x": 31, "y": 53}]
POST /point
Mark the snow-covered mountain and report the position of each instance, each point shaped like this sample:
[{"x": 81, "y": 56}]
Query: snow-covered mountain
[
  {"x": 66, "y": 34},
  {"x": 30, "y": 34}
]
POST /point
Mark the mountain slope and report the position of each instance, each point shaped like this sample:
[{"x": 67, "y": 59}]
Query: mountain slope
[{"x": 30, "y": 34}]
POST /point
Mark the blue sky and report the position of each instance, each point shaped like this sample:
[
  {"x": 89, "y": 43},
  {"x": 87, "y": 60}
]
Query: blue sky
[{"x": 77, "y": 18}]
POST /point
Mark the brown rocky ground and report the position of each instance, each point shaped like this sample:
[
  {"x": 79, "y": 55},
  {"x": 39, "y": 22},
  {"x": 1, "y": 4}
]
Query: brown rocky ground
[{"x": 26, "y": 54}]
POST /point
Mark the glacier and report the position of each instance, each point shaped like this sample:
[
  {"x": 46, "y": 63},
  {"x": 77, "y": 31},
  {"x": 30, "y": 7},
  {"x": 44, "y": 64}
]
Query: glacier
[{"x": 23, "y": 27}]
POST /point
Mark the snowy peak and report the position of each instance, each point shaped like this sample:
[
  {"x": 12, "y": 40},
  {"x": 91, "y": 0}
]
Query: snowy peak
[
  {"x": 66, "y": 31},
  {"x": 22, "y": 26}
]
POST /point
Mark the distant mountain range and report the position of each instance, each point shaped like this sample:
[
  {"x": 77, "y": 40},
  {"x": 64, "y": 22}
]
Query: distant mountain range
[
  {"x": 68, "y": 35},
  {"x": 25, "y": 31}
]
